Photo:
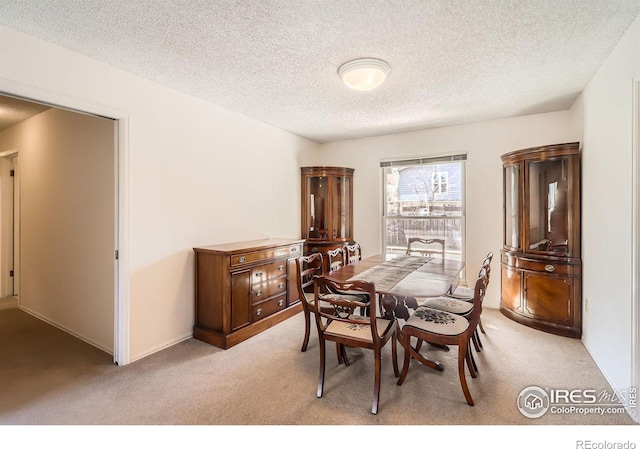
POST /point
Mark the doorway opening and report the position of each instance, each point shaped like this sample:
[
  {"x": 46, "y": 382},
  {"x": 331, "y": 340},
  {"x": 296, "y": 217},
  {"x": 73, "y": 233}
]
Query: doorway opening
[
  {"x": 16, "y": 287},
  {"x": 9, "y": 229}
]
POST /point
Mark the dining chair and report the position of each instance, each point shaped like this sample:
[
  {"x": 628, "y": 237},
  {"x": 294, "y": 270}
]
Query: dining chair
[
  {"x": 444, "y": 328},
  {"x": 461, "y": 307},
  {"x": 308, "y": 267},
  {"x": 425, "y": 247},
  {"x": 344, "y": 327},
  {"x": 335, "y": 259},
  {"x": 353, "y": 253},
  {"x": 466, "y": 294}
]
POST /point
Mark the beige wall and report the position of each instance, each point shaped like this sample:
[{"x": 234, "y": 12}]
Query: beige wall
[
  {"x": 197, "y": 175},
  {"x": 67, "y": 216},
  {"x": 605, "y": 112},
  {"x": 483, "y": 142}
]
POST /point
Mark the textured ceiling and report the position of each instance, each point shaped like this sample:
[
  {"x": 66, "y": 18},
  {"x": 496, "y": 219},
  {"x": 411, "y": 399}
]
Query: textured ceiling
[
  {"x": 14, "y": 111},
  {"x": 276, "y": 60}
]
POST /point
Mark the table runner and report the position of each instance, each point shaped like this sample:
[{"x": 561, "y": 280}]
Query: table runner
[{"x": 411, "y": 276}]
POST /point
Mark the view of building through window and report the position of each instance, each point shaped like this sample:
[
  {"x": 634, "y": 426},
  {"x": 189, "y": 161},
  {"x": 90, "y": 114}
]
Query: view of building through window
[{"x": 424, "y": 198}]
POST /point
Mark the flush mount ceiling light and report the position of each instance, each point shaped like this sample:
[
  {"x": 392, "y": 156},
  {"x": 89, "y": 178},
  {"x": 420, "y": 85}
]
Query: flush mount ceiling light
[{"x": 364, "y": 74}]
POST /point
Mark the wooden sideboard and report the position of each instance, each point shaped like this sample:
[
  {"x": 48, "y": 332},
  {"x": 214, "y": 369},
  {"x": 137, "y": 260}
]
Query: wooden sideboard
[{"x": 243, "y": 288}]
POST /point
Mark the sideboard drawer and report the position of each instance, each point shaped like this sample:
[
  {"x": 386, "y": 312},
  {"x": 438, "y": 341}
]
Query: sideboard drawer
[
  {"x": 266, "y": 308},
  {"x": 268, "y": 271},
  {"x": 260, "y": 292},
  {"x": 272, "y": 253}
]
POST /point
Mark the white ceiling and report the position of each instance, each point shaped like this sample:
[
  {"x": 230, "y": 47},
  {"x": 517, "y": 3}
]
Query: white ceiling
[{"x": 276, "y": 60}]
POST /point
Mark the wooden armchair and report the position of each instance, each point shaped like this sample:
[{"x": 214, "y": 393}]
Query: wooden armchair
[
  {"x": 425, "y": 247},
  {"x": 444, "y": 328},
  {"x": 308, "y": 267},
  {"x": 344, "y": 327}
]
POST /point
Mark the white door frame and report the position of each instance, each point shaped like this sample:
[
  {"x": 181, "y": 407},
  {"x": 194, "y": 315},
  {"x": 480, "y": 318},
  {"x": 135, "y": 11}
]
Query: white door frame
[
  {"x": 8, "y": 217},
  {"x": 635, "y": 240},
  {"x": 121, "y": 353}
]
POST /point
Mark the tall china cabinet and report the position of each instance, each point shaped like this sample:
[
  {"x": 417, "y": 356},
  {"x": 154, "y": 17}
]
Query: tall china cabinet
[
  {"x": 327, "y": 208},
  {"x": 541, "y": 266}
]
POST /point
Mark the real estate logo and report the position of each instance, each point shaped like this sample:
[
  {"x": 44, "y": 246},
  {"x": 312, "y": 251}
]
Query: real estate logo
[{"x": 533, "y": 402}]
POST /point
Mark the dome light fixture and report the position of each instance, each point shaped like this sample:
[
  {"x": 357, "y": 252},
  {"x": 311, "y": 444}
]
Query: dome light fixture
[{"x": 364, "y": 74}]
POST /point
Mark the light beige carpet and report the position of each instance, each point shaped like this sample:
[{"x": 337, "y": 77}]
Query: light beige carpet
[{"x": 50, "y": 377}]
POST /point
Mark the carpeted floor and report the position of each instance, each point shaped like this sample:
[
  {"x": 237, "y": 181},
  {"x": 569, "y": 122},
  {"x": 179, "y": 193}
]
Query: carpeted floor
[{"x": 50, "y": 377}]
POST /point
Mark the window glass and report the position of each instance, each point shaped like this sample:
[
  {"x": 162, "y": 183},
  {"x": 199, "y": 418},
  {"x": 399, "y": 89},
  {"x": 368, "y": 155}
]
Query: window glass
[{"x": 424, "y": 199}]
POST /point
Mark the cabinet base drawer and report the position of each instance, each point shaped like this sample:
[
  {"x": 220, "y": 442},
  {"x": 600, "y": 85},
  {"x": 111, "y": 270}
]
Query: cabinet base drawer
[
  {"x": 544, "y": 266},
  {"x": 264, "y": 309}
]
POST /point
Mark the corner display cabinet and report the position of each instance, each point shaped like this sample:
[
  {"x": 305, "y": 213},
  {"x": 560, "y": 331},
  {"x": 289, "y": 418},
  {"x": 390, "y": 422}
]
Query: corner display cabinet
[
  {"x": 541, "y": 267},
  {"x": 327, "y": 208}
]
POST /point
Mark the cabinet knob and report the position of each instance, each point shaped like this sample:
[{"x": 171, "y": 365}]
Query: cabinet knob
[
  {"x": 259, "y": 274},
  {"x": 258, "y": 312},
  {"x": 281, "y": 303},
  {"x": 294, "y": 249},
  {"x": 259, "y": 293},
  {"x": 281, "y": 267},
  {"x": 242, "y": 259},
  {"x": 549, "y": 268},
  {"x": 280, "y": 286}
]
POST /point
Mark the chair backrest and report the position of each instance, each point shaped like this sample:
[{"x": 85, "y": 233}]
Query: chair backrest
[
  {"x": 342, "y": 307},
  {"x": 308, "y": 267},
  {"x": 487, "y": 265},
  {"x": 478, "y": 296},
  {"x": 353, "y": 253},
  {"x": 425, "y": 247},
  {"x": 336, "y": 258}
]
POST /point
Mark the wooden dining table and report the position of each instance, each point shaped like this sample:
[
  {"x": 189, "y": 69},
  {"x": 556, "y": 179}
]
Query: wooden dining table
[{"x": 402, "y": 279}]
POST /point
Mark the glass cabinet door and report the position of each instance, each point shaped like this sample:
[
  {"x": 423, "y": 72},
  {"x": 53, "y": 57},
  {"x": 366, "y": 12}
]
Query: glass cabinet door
[
  {"x": 318, "y": 213},
  {"x": 548, "y": 207},
  {"x": 511, "y": 204},
  {"x": 341, "y": 207}
]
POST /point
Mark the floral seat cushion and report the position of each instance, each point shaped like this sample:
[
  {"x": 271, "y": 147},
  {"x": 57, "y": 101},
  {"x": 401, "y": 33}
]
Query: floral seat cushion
[
  {"x": 437, "y": 321},
  {"x": 449, "y": 305},
  {"x": 359, "y": 330}
]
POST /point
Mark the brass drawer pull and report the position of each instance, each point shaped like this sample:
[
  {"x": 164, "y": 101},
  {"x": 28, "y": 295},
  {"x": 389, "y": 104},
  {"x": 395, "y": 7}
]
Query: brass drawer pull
[
  {"x": 549, "y": 268},
  {"x": 258, "y": 312},
  {"x": 242, "y": 259},
  {"x": 259, "y": 274}
]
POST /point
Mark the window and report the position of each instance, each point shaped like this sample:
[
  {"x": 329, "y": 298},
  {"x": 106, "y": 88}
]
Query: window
[{"x": 424, "y": 198}]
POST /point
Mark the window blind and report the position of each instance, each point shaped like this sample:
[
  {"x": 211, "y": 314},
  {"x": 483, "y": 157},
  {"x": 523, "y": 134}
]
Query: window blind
[{"x": 424, "y": 160}]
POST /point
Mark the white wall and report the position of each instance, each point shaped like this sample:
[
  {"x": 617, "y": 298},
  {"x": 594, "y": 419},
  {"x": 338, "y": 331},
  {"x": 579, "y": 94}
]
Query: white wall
[
  {"x": 67, "y": 213},
  {"x": 604, "y": 111},
  {"x": 483, "y": 142},
  {"x": 198, "y": 175}
]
